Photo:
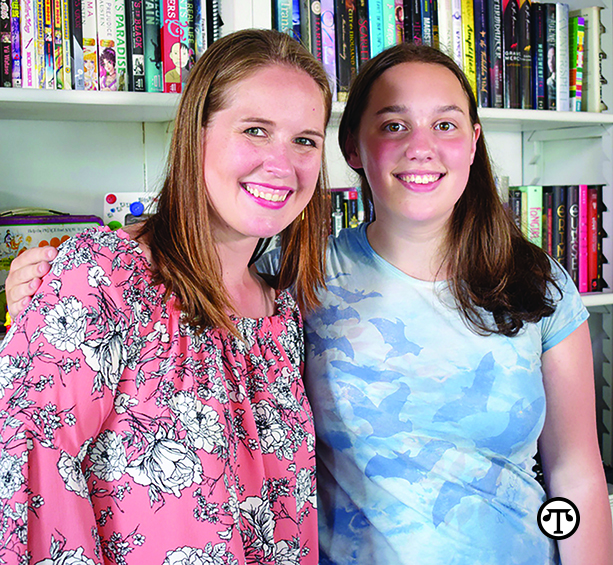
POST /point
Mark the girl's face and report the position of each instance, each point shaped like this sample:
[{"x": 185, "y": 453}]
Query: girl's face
[
  {"x": 262, "y": 152},
  {"x": 416, "y": 145}
]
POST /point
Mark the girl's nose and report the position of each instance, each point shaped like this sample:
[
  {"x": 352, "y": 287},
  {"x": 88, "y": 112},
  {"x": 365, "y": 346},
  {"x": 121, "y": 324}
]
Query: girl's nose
[
  {"x": 277, "y": 160},
  {"x": 420, "y": 144}
]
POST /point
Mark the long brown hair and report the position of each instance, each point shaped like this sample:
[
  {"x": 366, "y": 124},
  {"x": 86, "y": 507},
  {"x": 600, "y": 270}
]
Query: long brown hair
[
  {"x": 491, "y": 266},
  {"x": 180, "y": 234}
]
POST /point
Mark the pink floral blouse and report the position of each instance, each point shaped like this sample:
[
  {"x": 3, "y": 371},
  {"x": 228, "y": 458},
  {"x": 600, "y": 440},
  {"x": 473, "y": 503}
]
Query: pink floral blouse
[{"x": 127, "y": 438}]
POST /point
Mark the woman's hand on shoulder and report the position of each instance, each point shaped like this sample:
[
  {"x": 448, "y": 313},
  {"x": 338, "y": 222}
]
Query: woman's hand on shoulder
[{"x": 25, "y": 277}]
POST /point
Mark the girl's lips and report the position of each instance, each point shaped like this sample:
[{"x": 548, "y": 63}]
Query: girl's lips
[
  {"x": 267, "y": 196},
  {"x": 420, "y": 182}
]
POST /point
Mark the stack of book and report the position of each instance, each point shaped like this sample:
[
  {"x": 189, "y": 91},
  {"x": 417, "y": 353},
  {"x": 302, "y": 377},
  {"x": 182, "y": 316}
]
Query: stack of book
[
  {"x": 136, "y": 45},
  {"x": 346, "y": 209},
  {"x": 565, "y": 221},
  {"x": 515, "y": 53}
]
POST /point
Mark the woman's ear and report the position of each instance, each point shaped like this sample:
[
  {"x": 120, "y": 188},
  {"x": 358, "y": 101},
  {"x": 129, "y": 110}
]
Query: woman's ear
[{"x": 353, "y": 155}]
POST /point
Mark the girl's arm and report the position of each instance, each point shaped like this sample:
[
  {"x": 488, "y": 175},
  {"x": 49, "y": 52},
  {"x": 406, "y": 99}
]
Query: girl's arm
[{"x": 569, "y": 449}]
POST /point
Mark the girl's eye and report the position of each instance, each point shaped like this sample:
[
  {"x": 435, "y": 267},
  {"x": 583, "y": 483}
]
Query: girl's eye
[
  {"x": 255, "y": 131},
  {"x": 306, "y": 142},
  {"x": 394, "y": 127},
  {"x": 445, "y": 126}
]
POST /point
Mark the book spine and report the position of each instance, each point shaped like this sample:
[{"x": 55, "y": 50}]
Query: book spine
[
  {"x": 136, "y": 64},
  {"x": 580, "y": 64},
  {"x": 592, "y": 239},
  {"x": 58, "y": 51},
  {"x": 562, "y": 59},
  {"x": 186, "y": 21},
  {"x": 398, "y": 19},
  {"x": 515, "y": 198},
  {"x": 315, "y": 27},
  {"x": 547, "y": 243},
  {"x": 352, "y": 26},
  {"x": 343, "y": 61},
  {"x": 375, "y": 25},
  {"x": 456, "y": 32},
  {"x": 107, "y": 58},
  {"x": 426, "y": 22},
  {"x": 283, "y": 15},
  {"x": 572, "y": 233},
  {"x": 39, "y": 63},
  {"x": 511, "y": 70},
  {"x": 538, "y": 55},
  {"x": 535, "y": 214},
  {"x": 337, "y": 212},
  {"x": 583, "y": 243},
  {"x": 305, "y": 24},
  {"x": 525, "y": 54},
  {"x": 328, "y": 42},
  {"x": 558, "y": 235},
  {"x": 200, "y": 31},
  {"x": 363, "y": 32},
  {"x": 121, "y": 37},
  {"x": 49, "y": 46},
  {"x": 6, "y": 65},
  {"x": 468, "y": 44},
  {"x": 76, "y": 52},
  {"x": 214, "y": 22},
  {"x": 496, "y": 53},
  {"x": 66, "y": 40},
  {"x": 481, "y": 53},
  {"x": 550, "y": 56},
  {"x": 15, "y": 45},
  {"x": 435, "y": 31},
  {"x": 591, "y": 84},
  {"x": 389, "y": 24},
  {"x": 573, "y": 31},
  {"x": 407, "y": 20},
  {"x": 90, "y": 46},
  {"x": 417, "y": 20},
  {"x": 27, "y": 24},
  {"x": 444, "y": 27}
]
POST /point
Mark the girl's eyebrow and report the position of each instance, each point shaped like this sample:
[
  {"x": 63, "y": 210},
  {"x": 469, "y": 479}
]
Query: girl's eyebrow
[
  {"x": 401, "y": 109},
  {"x": 266, "y": 122}
]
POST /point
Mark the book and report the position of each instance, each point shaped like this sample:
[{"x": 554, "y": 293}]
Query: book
[
  {"x": 576, "y": 36},
  {"x": 305, "y": 24},
  {"x": 547, "y": 230},
  {"x": 364, "y": 48},
  {"x": 336, "y": 224},
  {"x": 389, "y": 23},
  {"x": 375, "y": 25},
  {"x": 495, "y": 53},
  {"x": 468, "y": 44},
  {"x": 27, "y": 28},
  {"x": 558, "y": 231},
  {"x": 282, "y": 14},
  {"x": 445, "y": 37},
  {"x": 49, "y": 46},
  {"x": 595, "y": 234},
  {"x": 591, "y": 87},
  {"x": 457, "y": 47},
  {"x": 345, "y": 46},
  {"x": 314, "y": 15},
  {"x": 525, "y": 54},
  {"x": 562, "y": 59},
  {"x": 39, "y": 61},
  {"x": 121, "y": 48},
  {"x": 435, "y": 32},
  {"x": 107, "y": 44},
  {"x": 550, "y": 56},
  {"x": 582, "y": 238},
  {"x": 152, "y": 40},
  {"x": 535, "y": 213},
  {"x": 407, "y": 21},
  {"x": 6, "y": 62},
  {"x": 511, "y": 55},
  {"x": 417, "y": 21},
  {"x": 136, "y": 47},
  {"x": 66, "y": 46},
  {"x": 15, "y": 45},
  {"x": 515, "y": 206},
  {"x": 572, "y": 233},
  {"x": 76, "y": 44},
  {"x": 398, "y": 18},
  {"x": 90, "y": 45},
  {"x": 537, "y": 18},
  {"x": 481, "y": 53},
  {"x": 58, "y": 44},
  {"x": 426, "y": 22},
  {"x": 328, "y": 42}
]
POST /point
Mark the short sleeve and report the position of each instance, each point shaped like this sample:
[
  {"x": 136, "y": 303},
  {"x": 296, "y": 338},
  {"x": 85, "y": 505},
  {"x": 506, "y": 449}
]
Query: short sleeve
[{"x": 570, "y": 312}]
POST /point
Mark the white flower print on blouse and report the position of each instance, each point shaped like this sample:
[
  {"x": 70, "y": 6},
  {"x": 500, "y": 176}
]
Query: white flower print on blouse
[{"x": 65, "y": 325}]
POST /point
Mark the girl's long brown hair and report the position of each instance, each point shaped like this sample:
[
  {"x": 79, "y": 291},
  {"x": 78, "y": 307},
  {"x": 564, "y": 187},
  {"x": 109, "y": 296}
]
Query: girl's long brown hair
[
  {"x": 179, "y": 233},
  {"x": 492, "y": 267}
]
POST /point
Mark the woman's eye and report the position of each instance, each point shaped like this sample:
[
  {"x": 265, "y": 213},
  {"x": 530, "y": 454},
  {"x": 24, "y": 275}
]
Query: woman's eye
[
  {"x": 255, "y": 131},
  {"x": 394, "y": 127},
  {"x": 306, "y": 141},
  {"x": 445, "y": 126}
]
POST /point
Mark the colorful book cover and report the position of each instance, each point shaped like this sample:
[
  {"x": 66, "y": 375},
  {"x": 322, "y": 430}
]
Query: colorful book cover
[
  {"x": 328, "y": 43},
  {"x": 398, "y": 18},
  {"x": 525, "y": 54},
  {"x": 426, "y": 22},
  {"x": 435, "y": 30},
  {"x": 343, "y": 55},
  {"x": 582, "y": 238},
  {"x": 535, "y": 213},
  {"x": 591, "y": 85},
  {"x": 562, "y": 59},
  {"x": 375, "y": 25},
  {"x": 547, "y": 232},
  {"x": 558, "y": 234},
  {"x": 352, "y": 27},
  {"x": 314, "y": 15},
  {"x": 200, "y": 29},
  {"x": 595, "y": 235},
  {"x": 136, "y": 48},
  {"x": 186, "y": 7},
  {"x": 121, "y": 51},
  {"x": 572, "y": 233},
  {"x": 576, "y": 34},
  {"x": 173, "y": 39},
  {"x": 495, "y": 53},
  {"x": 58, "y": 44},
  {"x": 151, "y": 38},
  {"x": 417, "y": 34},
  {"x": 49, "y": 46},
  {"x": 511, "y": 55},
  {"x": 6, "y": 64},
  {"x": 66, "y": 41},
  {"x": 481, "y": 53},
  {"x": 107, "y": 44},
  {"x": 15, "y": 45},
  {"x": 40, "y": 43},
  {"x": 27, "y": 25},
  {"x": 76, "y": 51},
  {"x": 538, "y": 55},
  {"x": 90, "y": 45},
  {"x": 282, "y": 13},
  {"x": 363, "y": 31},
  {"x": 456, "y": 32},
  {"x": 468, "y": 44},
  {"x": 550, "y": 56},
  {"x": 389, "y": 23}
]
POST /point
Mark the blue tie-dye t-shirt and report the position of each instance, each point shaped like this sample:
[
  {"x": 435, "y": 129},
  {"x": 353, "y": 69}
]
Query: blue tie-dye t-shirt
[{"x": 426, "y": 432}]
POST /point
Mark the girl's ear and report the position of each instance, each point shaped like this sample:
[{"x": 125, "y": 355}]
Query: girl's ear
[{"x": 353, "y": 155}]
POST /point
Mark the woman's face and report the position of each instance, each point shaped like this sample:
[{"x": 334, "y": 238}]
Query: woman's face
[
  {"x": 416, "y": 144},
  {"x": 263, "y": 151}
]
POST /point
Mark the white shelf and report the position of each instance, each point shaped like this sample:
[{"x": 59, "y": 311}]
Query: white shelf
[
  {"x": 86, "y": 106},
  {"x": 597, "y": 299}
]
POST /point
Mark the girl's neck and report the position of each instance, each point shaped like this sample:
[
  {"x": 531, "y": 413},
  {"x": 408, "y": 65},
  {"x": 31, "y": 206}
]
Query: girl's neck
[{"x": 416, "y": 253}]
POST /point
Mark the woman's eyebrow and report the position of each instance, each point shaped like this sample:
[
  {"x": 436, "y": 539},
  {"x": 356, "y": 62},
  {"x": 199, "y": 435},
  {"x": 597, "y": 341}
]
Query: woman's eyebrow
[{"x": 401, "y": 109}]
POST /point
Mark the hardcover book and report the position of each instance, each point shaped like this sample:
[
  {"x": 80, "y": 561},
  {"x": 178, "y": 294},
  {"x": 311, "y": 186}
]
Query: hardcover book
[
  {"x": 481, "y": 53},
  {"x": 6, "y": 62},
  {"x": 107, "y": 45},
  {"x": 562, "y": 59},
  {"x": 511, "y": 60},
  {"x": 468, "y": 44},
  {"x": 76, "y": 41},
  {"x": 550, "y": 56},
  {"x": 558, "y": 233},
  {"x": 525, "y": 54},
  {"x": 15, "y": 45},
  {"x": 27, "y": 28},
  {"x": 90, "y": 45},
  {"x": 572, "y": 233},
  {"x": 538, "y": 55}
]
